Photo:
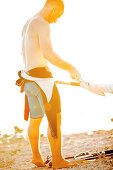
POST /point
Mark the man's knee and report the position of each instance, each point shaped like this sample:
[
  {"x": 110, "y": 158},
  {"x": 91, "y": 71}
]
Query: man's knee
[
  {"x": 58, "y": 124},
  {"x": 35, "y": 121},
  {"x": 33, "y": 128}
]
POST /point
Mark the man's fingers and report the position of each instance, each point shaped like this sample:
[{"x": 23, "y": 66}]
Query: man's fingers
[{"x": 76, "y": 76}]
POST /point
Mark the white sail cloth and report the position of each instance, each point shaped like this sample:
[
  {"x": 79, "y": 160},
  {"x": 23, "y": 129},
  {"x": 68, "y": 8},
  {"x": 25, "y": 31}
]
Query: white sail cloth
[
  {"x": 98, "y": 88},
  {"x": 46, "y": 84}
]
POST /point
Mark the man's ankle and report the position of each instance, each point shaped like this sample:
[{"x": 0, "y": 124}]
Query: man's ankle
[
  {"x": 37, "y": 157},
  {"x": 56, "y": 159}
]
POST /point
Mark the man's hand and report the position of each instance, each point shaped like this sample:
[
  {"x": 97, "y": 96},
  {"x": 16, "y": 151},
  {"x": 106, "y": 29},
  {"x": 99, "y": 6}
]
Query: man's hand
[{"x": 74, "y": 74}]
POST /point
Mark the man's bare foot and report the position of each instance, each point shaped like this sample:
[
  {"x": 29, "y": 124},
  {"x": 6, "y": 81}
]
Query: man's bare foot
[
  {"x": 38, "y": 162},
  {"x": 63, "y": 164}
]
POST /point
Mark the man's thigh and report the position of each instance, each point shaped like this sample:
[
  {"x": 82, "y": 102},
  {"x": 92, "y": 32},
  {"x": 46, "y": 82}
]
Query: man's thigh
[{"x": 35, "y": 100}]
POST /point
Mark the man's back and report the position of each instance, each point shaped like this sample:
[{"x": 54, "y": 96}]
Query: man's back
[{"x": 31, "y": 51}]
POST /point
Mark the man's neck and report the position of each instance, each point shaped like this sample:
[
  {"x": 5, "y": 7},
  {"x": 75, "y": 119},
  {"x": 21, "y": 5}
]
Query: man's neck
[{"x": 43, "y": 15}]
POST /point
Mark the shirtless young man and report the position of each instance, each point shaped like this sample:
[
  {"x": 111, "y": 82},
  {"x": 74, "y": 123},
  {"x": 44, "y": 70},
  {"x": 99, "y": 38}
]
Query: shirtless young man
[{"x": 37, "y": 50}]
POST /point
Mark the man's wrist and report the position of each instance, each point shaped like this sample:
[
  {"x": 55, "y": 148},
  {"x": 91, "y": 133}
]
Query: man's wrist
[{"x": 70, "y": 67}]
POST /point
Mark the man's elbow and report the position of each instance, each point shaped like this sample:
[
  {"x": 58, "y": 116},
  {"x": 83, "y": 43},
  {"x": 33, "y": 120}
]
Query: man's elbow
[{"x": 48, "y": 54}]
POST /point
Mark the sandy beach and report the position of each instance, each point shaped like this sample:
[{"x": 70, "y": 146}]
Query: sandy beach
[{"x": 15, "y": 151}]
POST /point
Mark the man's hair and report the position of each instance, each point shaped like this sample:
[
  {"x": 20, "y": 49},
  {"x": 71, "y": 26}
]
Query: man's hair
[{"x": 58, "y": 3}]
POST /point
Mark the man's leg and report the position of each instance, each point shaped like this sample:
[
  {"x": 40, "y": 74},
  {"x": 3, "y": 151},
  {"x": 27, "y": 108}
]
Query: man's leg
[
  {"x": 36, "y": 114},
  {"x": 55, "y": 144},
  {"x": 33, "y": 133}
]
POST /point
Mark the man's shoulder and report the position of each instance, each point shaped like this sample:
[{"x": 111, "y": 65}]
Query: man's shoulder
[
  {"x": 36, "y": 23},
  {"x": 39, "y": 22}
]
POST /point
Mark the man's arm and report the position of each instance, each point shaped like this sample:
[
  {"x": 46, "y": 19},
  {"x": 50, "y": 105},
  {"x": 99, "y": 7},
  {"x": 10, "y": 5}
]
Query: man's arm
[{"x": 50, "y": 55}]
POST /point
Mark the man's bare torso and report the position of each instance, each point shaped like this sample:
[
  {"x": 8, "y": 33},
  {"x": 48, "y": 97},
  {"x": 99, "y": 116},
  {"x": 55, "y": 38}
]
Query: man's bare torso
[{"x": 31, "y": 51}]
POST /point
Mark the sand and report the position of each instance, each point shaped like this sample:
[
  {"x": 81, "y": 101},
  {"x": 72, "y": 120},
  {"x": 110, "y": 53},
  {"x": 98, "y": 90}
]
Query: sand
[{"x": 15, "y": 151}]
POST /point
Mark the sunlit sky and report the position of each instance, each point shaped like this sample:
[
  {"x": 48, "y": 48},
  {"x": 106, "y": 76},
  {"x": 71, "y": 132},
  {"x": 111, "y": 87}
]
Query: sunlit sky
[{"x": 83, "y": 36}]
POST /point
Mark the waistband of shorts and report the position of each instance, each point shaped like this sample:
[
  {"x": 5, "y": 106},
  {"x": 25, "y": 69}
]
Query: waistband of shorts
[{"x": 40, "y": 72}]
